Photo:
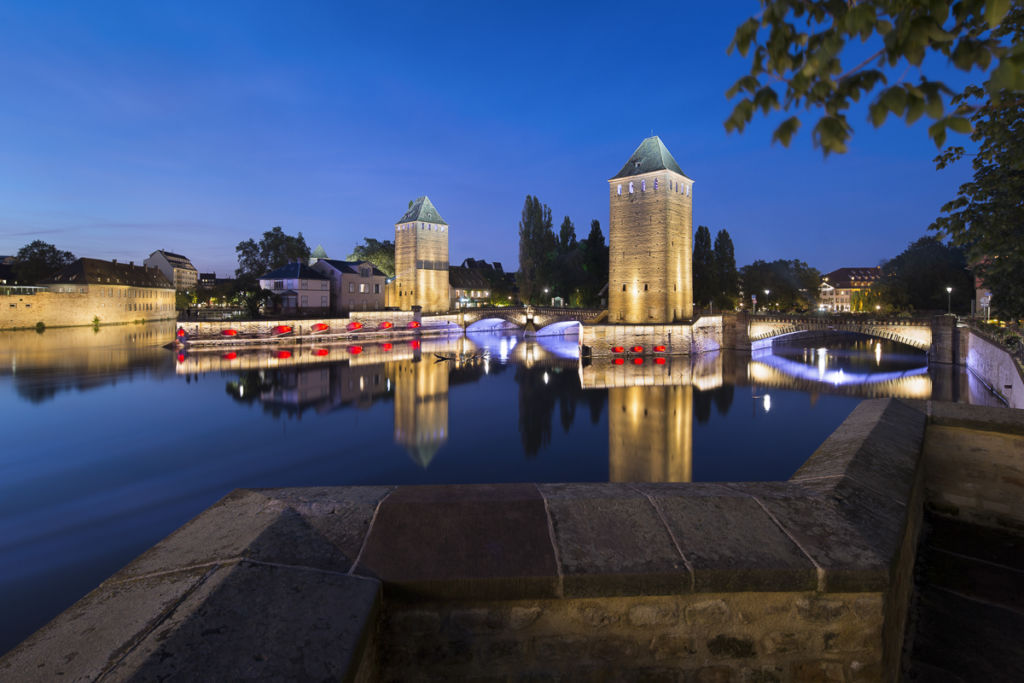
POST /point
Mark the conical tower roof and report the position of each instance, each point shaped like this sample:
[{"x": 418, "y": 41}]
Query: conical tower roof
[
  {"x": 422, "y": 210},
  {"x": 651, "y": 155},
  {"x": 319, "y": 252}
]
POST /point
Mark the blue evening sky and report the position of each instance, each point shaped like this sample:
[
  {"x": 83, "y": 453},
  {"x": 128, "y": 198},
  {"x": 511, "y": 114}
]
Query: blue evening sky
[{"x": 190, "y": 126}]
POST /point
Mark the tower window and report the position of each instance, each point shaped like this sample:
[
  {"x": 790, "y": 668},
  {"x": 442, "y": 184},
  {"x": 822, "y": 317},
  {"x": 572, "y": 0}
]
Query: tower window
[
  {"x": 645, "y": 286},
  {"x": 620, "y": 188},
  {"x": 655, "y": 183},
  {"x": 643, "y": 185},
  {"x": 631, "y": 187},
  {"x": 623, "y": 287}
]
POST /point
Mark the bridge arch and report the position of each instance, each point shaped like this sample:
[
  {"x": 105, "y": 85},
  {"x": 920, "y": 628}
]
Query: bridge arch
[
  {"x": 491, "y": 323},
  {"x": 559, "y": 329},
  {"x": 917, "y": 334}
]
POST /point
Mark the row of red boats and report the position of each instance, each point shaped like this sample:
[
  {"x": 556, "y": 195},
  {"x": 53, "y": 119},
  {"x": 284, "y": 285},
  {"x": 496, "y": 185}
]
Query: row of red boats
[{"x": 316, "y": 328}]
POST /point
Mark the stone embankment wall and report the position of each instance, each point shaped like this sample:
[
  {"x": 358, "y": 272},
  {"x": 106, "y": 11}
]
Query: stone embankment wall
[
  {"x": 994, "y": 365},
  {"x": 704, "y": 335},
  {"x": 66, "y": 309},
  {"x": 974, "y": 460},
  {"x": 786, "y": 581}
]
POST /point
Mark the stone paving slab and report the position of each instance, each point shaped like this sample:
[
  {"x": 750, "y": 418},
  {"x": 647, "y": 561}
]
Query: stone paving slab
[
  {"x": 89, "y": 637},
  {"x": 258, "y": 622},
  {"x": 731, "y": 543},
  {"x": 984, "y": 418},
  {"x": 611, "y": 541},
  {"x": 483, "y": 541}
]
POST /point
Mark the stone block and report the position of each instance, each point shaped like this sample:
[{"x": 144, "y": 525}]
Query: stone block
[
  {"x": 253, "y": 621},
  {"x": 707, "y": 612},
  {"x": 474, "y": 542},
  {"x": 731, "y": 647},
  {"x": 611, "y": 541},
  {"x": 672, "y": 646},
  {"x": 729, "y": 541},
  {"x": 88, "y": 638}
]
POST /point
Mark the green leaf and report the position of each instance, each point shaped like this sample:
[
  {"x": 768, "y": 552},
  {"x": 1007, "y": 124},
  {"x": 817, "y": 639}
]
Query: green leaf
[
  {"x": 877, "y": 113},
  {"x": 915, "y": 107},
  {"x": 937, "y": 132},
  {"x": 784, "y": 133},
  {"x": 959, "y": 124},
  {"x": 995, "y": 11}
]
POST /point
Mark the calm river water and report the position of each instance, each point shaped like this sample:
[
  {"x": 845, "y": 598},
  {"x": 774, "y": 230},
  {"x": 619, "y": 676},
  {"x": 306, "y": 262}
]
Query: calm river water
[{"x": 110, "y": 442}]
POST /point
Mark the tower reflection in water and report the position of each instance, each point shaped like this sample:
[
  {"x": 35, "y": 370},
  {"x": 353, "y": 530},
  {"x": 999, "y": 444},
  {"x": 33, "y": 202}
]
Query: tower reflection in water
[{"x": 421, "y": 407}]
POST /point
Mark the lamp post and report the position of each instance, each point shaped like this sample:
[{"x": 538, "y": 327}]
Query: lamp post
[
  {"x": 766, "y": 293},
  {"x": 949, "y": 300}
]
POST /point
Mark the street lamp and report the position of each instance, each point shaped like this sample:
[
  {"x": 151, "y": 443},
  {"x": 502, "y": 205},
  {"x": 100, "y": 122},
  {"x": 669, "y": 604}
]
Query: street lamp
[{"x": 949, "y": 300}]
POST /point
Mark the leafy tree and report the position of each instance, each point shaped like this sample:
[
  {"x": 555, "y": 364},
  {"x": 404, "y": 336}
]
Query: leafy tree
[
  {"x": 986, "y": 219},
  {"x": 38, "y": 260},
  {"x": 274, "y": 250},
  {"x": 595, "y": 263},
  {"x": 566, "y": 236},
  {"x": 916, "y": 280},
  {"x": 800, "y": 59},
  {"x": 705, "y": 284},
  {"x": 792, "y": 285},
  {"x": 381, "y": 253},
  {"x": 727, "y": 277},
  {"x": 537, "y": 250}
]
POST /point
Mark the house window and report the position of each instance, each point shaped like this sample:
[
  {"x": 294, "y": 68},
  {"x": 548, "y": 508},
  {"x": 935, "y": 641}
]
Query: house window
[
  {"x": 278, "y": 284},
  {"x": 376, "y": 289},
  {"x": 362, "y": 287},
  {"x": 305, "y": 301},
  {"x": 323, "y": 302},
  {"x": 631, "y": 187},
  {"x": 620, "y": 188},
  {"x": 351, "y": 287}
]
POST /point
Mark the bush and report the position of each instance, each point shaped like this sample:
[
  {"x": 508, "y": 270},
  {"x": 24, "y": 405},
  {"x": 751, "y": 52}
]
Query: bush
[{"x": 40, "y": 327}]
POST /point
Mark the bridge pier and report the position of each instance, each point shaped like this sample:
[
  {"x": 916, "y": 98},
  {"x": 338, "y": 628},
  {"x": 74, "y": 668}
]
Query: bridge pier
[{"x": 944, "y": 340}]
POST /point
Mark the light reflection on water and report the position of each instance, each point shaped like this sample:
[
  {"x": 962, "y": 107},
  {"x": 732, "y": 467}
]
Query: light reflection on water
[{"x": 111, "y": 441}]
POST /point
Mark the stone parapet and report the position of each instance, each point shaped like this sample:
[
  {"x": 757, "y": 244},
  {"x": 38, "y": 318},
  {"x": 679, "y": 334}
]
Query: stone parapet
[{"x": 779, "y": 580}]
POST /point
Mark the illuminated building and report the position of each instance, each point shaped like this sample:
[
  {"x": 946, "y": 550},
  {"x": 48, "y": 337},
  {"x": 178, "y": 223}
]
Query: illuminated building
[
  {"x": 421, "y": 259},
  {"x": 650, "y": 236}
]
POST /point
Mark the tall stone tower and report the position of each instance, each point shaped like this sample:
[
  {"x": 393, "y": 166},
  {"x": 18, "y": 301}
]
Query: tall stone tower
[
  {"x": 650, "y": 239},
  {"x": 421, "y": 258}
]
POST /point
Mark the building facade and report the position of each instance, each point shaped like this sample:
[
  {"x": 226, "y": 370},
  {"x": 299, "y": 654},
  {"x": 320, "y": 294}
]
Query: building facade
[
  {"x": 178, "y": 270},
  {"x": 300, "y": 288},
  {"x": 421, "y": 259},
  {"x": 355, "y": 285},
  {"x": 650, "y": 239},
  {"x": 90, "y": 291},
  {"x": 838, "y": 290}
]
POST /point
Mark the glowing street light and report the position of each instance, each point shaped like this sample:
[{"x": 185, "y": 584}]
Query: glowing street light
[{"x": 949, "y": 300}]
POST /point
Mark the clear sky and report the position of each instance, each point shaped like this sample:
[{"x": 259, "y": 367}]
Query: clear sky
[{"x": 190, "y": 126}]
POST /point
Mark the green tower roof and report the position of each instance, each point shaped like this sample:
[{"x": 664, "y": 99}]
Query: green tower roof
[
  {"x": 651, "y": 155},
  {"x": 422, "y": 210},
  {"x": 319, "y": 252}
]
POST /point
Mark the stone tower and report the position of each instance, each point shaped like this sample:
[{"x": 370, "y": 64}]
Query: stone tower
[
  {"x": 421, "y": 258},
  {"x": 650, "y": 239}
]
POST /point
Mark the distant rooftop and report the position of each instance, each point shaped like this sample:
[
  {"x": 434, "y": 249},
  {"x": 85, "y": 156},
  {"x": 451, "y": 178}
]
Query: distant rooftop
[
  {"x": 176, "y": 260},
  {"x": 91, "y": 271},
  {"x": 651, "y": 155},
  {"x": 351, "y": 266},
  {"x": 294, "y": 271},
  {"x": 422, "y": 210}
]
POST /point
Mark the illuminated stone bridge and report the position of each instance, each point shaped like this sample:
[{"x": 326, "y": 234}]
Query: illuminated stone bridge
[
  {"x": 912, "y": 332},
  {"x": 531, "y": 318}
]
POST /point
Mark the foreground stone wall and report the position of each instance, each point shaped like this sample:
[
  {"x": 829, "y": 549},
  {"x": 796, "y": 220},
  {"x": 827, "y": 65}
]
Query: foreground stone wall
[
  {"x": 787, "y": 581},
  {"x": 712, "y": 636}
]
